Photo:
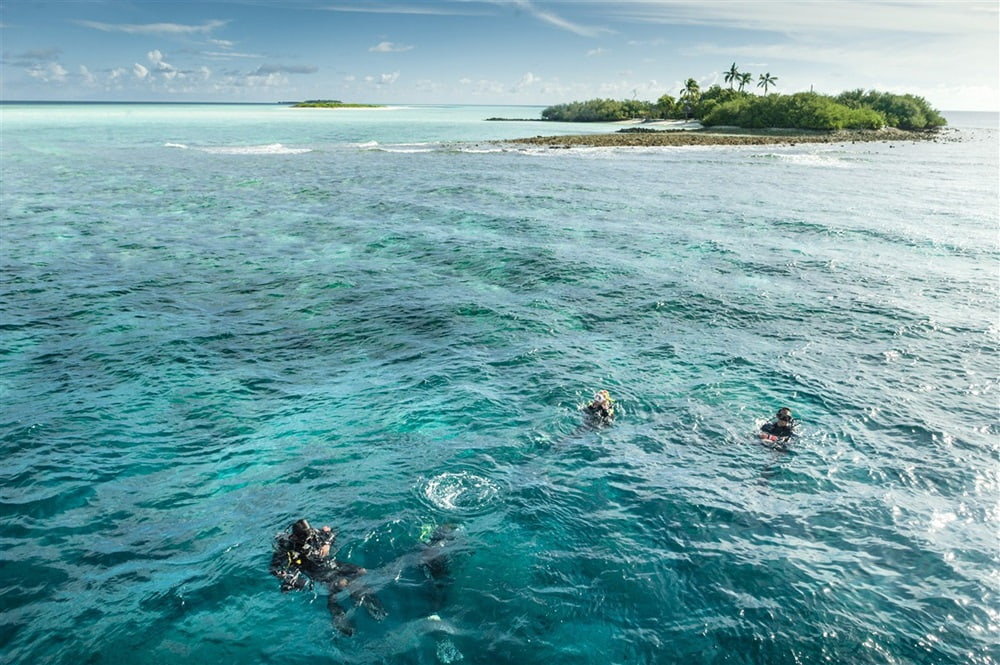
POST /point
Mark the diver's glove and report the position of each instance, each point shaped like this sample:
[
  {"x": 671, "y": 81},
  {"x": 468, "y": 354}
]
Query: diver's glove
[{"x": 292, "y": 581}]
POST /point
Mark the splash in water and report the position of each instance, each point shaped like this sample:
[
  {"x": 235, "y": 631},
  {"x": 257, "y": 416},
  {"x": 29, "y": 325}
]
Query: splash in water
[{"x": 462, "y": 491}]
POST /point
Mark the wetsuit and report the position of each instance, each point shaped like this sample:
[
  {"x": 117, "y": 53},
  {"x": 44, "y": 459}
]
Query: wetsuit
[
  {"x": 434, "y": 558},
  {"x": 298, "y": 562},
  {"x": 777, "y": 430},
  {"x": 775, "y": 435},
  {"x": 601, "y": 412},
  {"x": 296, "y": 559}
]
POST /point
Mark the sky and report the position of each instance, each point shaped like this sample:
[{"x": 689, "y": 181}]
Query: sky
[{"x": 497, "y": 52}]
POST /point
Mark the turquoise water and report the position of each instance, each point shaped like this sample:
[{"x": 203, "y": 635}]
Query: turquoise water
[{"x": 219, "y": 319}]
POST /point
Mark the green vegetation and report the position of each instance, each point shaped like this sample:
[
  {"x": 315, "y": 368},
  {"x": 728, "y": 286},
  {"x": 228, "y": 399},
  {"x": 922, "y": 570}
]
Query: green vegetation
[
  {"x": 803, "y": 110},
  {"x": 902, "y": 111},
  {"x": 331, "y": 104},
  {"x": 856, "y": 109},
  {"x": 598, "y": 110},
  {"x": 690, "y": 94},
  {"x": 733, "y": 75},
  {"x": 766, "y": 80}
]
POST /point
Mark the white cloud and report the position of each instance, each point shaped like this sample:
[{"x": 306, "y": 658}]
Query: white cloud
[
  {"x": 527, "y": 80},
  {"x": 265, "y": 70},
  {"x": 437, "y": 9},
  {"x": 558, "y": 21},
  {"x": 228, "y": 55},
  {"x": 647, "y": 43},
  {"x": 88, "y": 78},
  {"x": 51, "y": 72},
  {"x": 388, "y": 79},
  {"x": 154, "y": 28},
  {"x": 854, "y": 16},
  {"x": 389, "y": 47},
  {"x": 915, "y": 61},
  {"x": 163, "y": 68},
  {"x": 156, "y": 58},
  {"x": 528, "y": 85},
  {"x": 597, "y": 52},
  {"x": 140, "y": 71},
  {"x": 272, "y": 79}
]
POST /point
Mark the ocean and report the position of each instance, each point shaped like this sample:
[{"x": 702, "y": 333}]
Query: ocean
[{"x": 218, "y": 319}]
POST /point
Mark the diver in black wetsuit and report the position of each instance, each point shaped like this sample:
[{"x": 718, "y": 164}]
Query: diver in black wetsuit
[
  {"x": 302, "y": 557},
  {"x": 601, "y": 410},
  {"x": 435, "y": 559},
  {"x": 778, "y": 433}
]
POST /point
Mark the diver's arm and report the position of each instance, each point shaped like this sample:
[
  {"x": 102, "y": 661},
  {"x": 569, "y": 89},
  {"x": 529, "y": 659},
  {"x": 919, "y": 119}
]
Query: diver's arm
[
  {"x": 278, "y": 560},
  {"x": 766, "y": 432},
  {"x": 775, "y": 432},
  {"x": 326, "y": 537}
]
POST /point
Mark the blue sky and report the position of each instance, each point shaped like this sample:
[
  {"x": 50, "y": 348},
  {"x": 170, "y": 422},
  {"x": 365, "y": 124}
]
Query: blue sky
[{"x": 491, "y": 52}]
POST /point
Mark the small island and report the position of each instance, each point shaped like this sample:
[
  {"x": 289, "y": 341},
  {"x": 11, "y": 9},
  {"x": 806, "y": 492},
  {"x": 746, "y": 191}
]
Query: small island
[
  {"x": 332, "y": 104},
  {"x": 733, "y": 116}
]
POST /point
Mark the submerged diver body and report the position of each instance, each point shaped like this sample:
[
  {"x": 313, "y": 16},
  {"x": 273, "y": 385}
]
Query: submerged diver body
[
  {"x": 434, "y": 555},
  {"x": 302, "y": 557}
]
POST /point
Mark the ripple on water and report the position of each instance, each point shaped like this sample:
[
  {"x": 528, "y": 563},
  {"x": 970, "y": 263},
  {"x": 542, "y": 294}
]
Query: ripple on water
[{"x": 460, "y": 492}]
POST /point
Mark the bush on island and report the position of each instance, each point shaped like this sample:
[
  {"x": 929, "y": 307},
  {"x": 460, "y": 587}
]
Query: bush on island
[
  {"x": 855, "y": 109},
  {"x": 598, "y": 110},
  {"x": 803, "y": 110},
  {"x": 902, "y": 111}
]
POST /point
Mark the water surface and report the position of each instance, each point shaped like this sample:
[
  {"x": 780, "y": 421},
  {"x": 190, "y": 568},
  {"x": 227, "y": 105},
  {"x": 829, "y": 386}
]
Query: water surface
[{"x": 219, "y": 319}]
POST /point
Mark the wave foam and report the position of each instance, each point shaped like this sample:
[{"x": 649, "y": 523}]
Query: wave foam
[
  {"x": 269, "y": 149},
  {"x": 806, "y": 159},
  {"x": 409, "y": 148}
]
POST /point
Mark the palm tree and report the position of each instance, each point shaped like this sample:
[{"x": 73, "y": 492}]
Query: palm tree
[
  {"x": 766, "y": 80},
  {"x": 744, "y": 78},
  {"x": 689, "y": 95},
  {"x": 732, "y": 75}
]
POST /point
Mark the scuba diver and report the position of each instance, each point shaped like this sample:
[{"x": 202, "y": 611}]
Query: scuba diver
[
  {"x": 601, "y": 410},
  {"x": 779, "y": 432},
  {"x": 434, "y": 557},
  {"x": 302, "y": 557}
]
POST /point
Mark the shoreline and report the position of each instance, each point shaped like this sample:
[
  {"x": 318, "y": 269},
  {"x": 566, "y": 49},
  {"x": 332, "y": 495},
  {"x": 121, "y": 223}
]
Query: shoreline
[{"x": 728, "y": 137}]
